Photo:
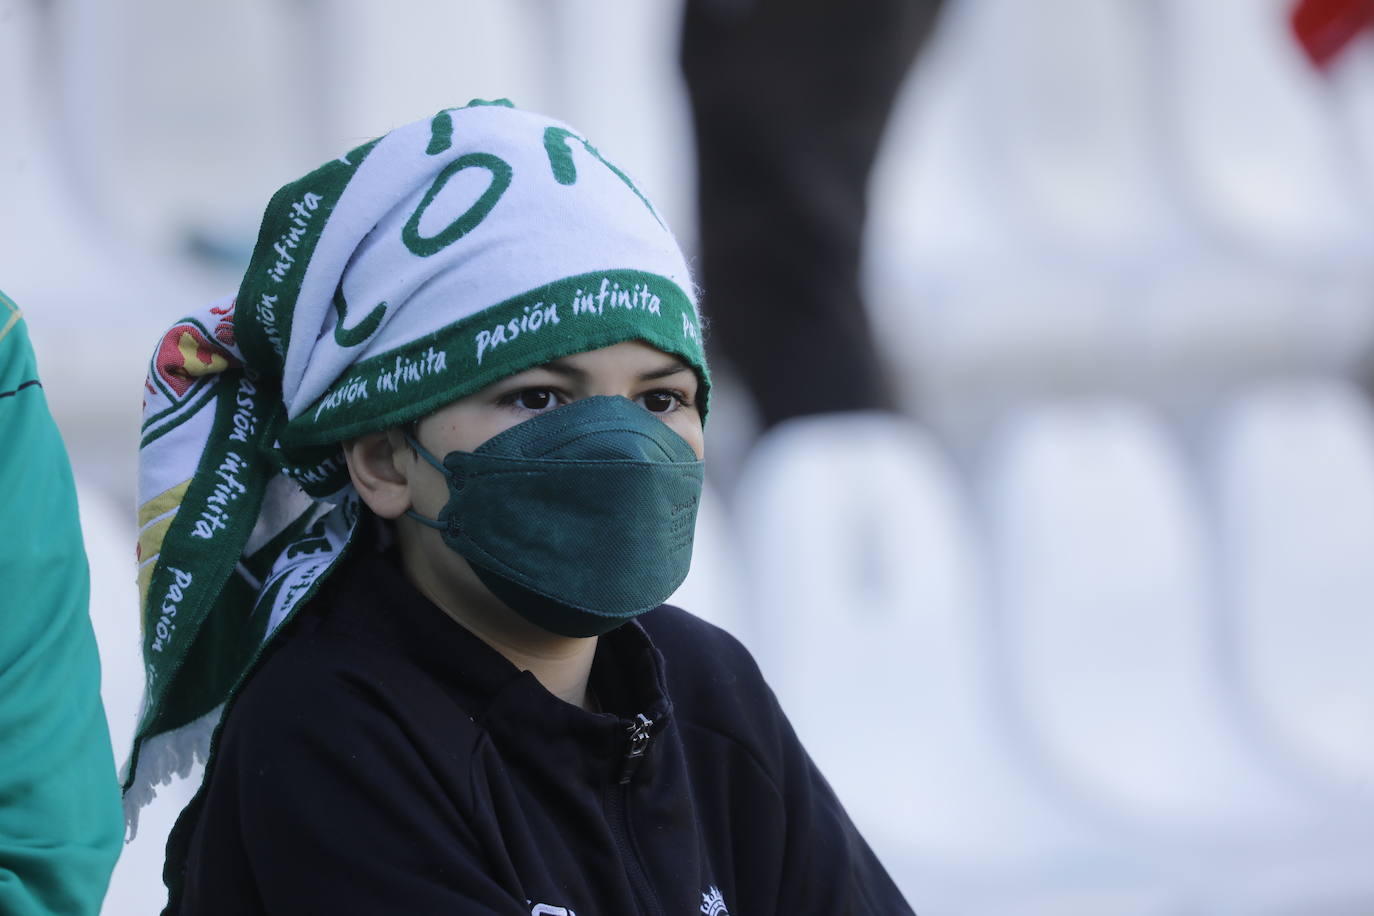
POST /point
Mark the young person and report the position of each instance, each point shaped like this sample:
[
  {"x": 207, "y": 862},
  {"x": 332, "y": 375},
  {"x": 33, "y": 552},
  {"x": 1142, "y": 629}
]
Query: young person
[{"x": 411, "y": 505}]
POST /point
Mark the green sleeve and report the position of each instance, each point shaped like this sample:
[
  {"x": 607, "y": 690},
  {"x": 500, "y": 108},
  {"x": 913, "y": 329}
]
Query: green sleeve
[{"x": 60, "y": 817}]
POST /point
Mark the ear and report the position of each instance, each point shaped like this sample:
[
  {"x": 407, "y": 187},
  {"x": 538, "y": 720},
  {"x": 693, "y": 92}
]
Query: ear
[{"x": 379, "y": 464}]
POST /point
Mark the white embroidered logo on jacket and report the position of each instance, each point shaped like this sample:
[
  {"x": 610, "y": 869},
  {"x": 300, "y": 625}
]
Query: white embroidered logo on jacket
[
  {"x": 543, "y": 909},
  {"x": 713, "y": 904}
]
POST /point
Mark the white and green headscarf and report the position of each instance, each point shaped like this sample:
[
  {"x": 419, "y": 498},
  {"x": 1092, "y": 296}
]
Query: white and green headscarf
[{"x": 416, "y": 269}]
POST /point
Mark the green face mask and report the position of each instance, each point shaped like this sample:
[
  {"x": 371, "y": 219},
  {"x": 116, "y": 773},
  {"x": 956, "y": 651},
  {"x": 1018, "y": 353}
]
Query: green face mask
[{"x": 579, "y": 518}]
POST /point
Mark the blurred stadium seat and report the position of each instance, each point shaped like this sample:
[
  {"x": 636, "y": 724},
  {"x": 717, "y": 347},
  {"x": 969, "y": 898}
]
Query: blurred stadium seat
[
  {"x": 866, "y": 613},
  {"x": 1111, "y": 638},
  {"x": 1294, "y": 472},
  {"x": 1106, "y": 624}
]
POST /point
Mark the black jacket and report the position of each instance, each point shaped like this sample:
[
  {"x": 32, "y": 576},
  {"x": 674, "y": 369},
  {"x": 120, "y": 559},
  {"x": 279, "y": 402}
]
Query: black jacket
[{"x": 383, "y": 760}]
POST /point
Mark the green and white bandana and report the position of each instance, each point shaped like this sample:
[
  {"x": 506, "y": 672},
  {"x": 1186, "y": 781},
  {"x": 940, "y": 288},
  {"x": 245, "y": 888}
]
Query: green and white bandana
[{"x": 416, "y": 269}]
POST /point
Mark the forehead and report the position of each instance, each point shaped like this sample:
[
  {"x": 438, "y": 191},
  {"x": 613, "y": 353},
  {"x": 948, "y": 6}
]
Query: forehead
[{"x": 631, "y": 357}]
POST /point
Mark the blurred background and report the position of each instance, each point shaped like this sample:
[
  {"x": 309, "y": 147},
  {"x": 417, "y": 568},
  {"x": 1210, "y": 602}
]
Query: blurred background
[{"x": 1042, "y": 485}]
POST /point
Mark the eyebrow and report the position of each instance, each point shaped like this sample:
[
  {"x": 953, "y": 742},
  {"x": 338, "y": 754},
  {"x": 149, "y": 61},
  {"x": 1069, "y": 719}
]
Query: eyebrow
[
  {"x": 672, "y": 368},
  {"x": 558, "y": 367}
]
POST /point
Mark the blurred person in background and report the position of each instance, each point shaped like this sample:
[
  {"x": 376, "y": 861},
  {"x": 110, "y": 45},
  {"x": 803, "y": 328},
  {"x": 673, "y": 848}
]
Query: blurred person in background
[
  {"x": 411, "y": 504},
  {"x": 60, "y": 824},
  {"x": 789, "y": 100}
]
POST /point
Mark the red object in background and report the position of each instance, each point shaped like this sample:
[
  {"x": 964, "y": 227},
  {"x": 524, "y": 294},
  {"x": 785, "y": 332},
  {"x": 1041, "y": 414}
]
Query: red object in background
[{"x": 1325, "y": 27}]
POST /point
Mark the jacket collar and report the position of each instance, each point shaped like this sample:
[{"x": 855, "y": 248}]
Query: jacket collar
[{"x": 379, "y": 604}]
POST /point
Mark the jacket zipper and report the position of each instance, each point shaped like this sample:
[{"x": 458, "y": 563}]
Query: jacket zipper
[
  {"x": 639, "y": 743},
  {"x": 639, "y": 735}
]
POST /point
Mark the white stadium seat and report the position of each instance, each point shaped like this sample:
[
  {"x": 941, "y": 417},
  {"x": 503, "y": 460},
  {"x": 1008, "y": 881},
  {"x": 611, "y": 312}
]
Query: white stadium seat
[
  {"x": 1261, "y": 160},
  {"x": 1113, "y": 661},
  {"x": 1018, "y": 209},
  {"x": 1273, "y": 273},
  {"x": 1294, "y": 471},
  {"x": 865, "y": 611}
]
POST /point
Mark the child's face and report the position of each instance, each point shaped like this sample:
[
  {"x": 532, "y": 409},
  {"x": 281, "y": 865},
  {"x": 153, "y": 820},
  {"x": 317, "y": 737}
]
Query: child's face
[
  {"x": 391, "y": 477},
  {"x": 661, "y": 383}
]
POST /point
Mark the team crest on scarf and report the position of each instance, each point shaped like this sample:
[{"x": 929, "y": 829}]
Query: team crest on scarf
[{"x": 189, "y": 352}]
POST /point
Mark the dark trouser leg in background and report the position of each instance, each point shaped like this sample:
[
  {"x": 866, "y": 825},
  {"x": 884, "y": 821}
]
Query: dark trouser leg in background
[{"x": 790, "y": 98}]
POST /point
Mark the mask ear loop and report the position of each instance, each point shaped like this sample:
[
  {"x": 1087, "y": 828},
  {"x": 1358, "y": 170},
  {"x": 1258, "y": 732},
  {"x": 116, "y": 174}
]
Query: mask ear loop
[{"x": 409, "y": 432}]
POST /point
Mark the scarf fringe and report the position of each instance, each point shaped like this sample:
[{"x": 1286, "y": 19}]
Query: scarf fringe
[{"x": 163, "y": 757}]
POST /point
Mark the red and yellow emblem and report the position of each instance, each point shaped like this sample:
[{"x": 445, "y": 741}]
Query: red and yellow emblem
[{"x": 186, "y": 355}]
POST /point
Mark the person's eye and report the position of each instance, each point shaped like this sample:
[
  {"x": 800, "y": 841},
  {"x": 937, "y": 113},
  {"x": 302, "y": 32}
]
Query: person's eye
[
  {"x": 663, "y": 400},
  {"x": 534, "y": 399}
]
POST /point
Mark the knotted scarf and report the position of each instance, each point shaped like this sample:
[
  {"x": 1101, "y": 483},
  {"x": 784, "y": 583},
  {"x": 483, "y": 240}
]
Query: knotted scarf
[{"x": 418, "y": 268}]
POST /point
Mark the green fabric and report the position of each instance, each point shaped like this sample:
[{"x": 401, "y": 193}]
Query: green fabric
[
  {"x": 226, "y": 496},
  {"x": 60, "y": 817},
  {"x": 579, "y": 518},
  {"x": 574, "y": 315}
]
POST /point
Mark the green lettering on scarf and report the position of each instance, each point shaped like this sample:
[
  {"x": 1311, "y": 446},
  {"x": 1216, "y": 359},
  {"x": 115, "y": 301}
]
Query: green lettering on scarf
[
  {"x": 351, "y": 337},
  {"x": 424, "y": 246},
  {"x": 565, "y": 171},
  {"x": 441, "y": 125}
]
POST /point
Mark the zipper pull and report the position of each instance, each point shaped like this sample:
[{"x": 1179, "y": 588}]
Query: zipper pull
[{"x": 639, "y": 742}]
